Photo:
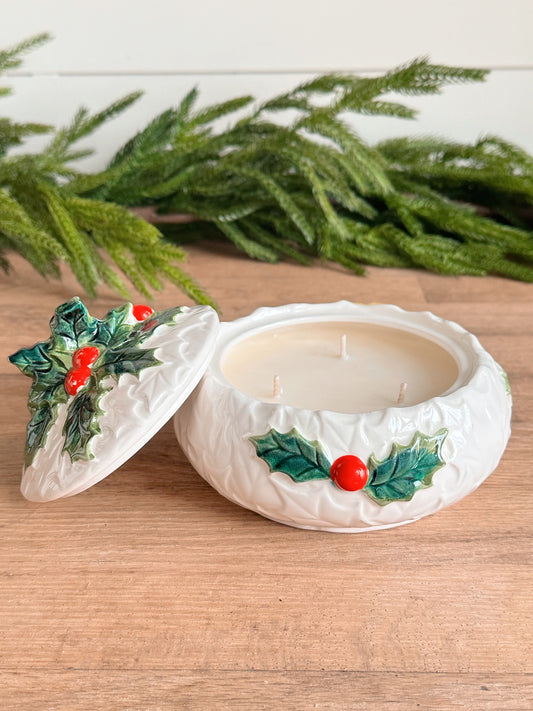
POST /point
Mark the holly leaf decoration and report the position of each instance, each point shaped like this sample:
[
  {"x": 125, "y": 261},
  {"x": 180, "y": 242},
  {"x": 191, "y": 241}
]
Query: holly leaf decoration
[
  {"x": 73, "y": 324},
  {"x": 40, "y": 361},
  {"x": 81, "y": 424},
  {"x": 124, "y": 353},
  {"x": 406, "y": 470},
  {"x": 37, "y": 430},
  {"x": 48, "y": 362},
  {"x": 128, "y": 358},
  {"x": 112, "y": 328},
  {"x": 292, "y": 454},
  {"x": 160, "y": 318},
  {"x": 43, "y": 402}
]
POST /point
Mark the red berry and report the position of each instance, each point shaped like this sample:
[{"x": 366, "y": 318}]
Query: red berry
[
  {"x": 349, "y": 473},
  {"x": 141, "y": 311},
  {"x": 84, "y": 357},
  {"x": 76, "y": 379}
]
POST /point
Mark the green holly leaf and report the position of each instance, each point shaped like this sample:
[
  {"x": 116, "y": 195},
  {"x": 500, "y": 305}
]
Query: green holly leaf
[
  {"x": 124, "y": 353},
  {"x": 44, "y": 360},
  {"x": 47, "y": 365},
  {"x": 160, "y": 318},
  {"x": 43, "y": 402},
  {"x": 81, "y": 424},
  {"x": 32, "y": 360},
  {"x": 37, "y": 430},
  {"x": 127, "y": 358},
  {"x": 144, "y": 329},
  {"x": 406, "y": 470},
  {"x": 112, "y": 328},
  {"x": 73, "y": 324},
  {"x": 292, "y": 454}
]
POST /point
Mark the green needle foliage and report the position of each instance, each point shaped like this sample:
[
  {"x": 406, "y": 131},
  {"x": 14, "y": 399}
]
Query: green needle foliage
[
  {"x": 45, "y": 219},
  {"x": 286, "y": 179}
]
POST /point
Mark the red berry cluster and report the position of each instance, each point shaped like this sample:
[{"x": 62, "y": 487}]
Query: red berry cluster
[
  {"x": 80, "y": 372},
  {"x": 83, "y": 358},
  {"x": 349, "y": 473}
]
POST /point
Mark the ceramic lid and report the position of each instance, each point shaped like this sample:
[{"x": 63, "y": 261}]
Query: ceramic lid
[{"x": 103, "y": 387}]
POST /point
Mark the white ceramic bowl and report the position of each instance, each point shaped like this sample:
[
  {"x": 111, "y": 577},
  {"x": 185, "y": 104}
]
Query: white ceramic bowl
[{"x": 215, "y": 424}]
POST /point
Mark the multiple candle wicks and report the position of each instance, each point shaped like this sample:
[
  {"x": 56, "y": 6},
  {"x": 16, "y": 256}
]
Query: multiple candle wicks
[{"x": 343, "y": 355}]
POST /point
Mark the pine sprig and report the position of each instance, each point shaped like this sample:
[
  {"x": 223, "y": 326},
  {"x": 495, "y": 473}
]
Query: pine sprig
[
  {"x": 46, "y": 218},
  {"x": 11, "y": 58},
  {"x": 302, "y": 189},
  {"x": 83, "y": 123},
  {"x": 491, "y": 173}
]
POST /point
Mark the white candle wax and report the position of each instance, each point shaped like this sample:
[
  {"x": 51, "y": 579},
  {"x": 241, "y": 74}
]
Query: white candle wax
[{"x": 315, "y": 374}]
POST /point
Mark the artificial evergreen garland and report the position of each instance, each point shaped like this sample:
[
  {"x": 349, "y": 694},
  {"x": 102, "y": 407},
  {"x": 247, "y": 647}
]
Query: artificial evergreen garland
[{"x": 310, "y": 188}]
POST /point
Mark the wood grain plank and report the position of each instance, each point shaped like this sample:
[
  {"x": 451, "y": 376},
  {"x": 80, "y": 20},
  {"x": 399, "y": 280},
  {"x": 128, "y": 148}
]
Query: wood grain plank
[
  {"x": 487, "y": 290},
  {"x": 263, "y": 690}
]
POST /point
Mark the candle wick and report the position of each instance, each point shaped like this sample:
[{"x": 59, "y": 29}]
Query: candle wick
[
  {"x": 401, "y": 394},
  {"x": 276, "y": 390},
  {"x": 343, "y": 353}
]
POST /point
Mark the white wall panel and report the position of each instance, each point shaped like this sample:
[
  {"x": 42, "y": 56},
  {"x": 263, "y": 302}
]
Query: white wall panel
[
  {"x": 105, "y": 48},
  {"x": 278, "y": 35}
]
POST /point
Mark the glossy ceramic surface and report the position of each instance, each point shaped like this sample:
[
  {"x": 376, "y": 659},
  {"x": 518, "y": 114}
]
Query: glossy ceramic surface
[{"x": 218, "y": 424}]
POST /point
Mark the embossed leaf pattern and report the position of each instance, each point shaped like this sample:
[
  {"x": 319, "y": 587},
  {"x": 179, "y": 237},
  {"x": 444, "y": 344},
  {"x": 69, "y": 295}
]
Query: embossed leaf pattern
[
  {"x": 292, "y": 454},
  {"x": 48, "y": 362},
  {"x": 406, "y": 470}
]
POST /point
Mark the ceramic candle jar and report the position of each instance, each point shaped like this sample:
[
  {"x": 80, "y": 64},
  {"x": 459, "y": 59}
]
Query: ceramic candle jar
[
  {"x": 339, "y": 417},
  {"x": 346, "y": 417}
]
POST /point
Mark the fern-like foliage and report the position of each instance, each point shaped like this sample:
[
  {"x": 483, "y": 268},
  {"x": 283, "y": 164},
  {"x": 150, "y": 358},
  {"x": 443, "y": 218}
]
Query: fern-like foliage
[
  {"x": 45, "y": 217},
  {"x": 288, "y": 178}
]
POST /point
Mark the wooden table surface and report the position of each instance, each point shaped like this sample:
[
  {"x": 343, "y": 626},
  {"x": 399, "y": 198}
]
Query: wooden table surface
[{"x": 151, "y": 592}]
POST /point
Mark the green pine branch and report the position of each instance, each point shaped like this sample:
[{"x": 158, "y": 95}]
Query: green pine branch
[{"x": 297, "y": 188}]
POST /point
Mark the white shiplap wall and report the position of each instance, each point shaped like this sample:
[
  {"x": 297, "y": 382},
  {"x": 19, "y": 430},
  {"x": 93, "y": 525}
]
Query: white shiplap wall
[{"x": 106, "y": 48}]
